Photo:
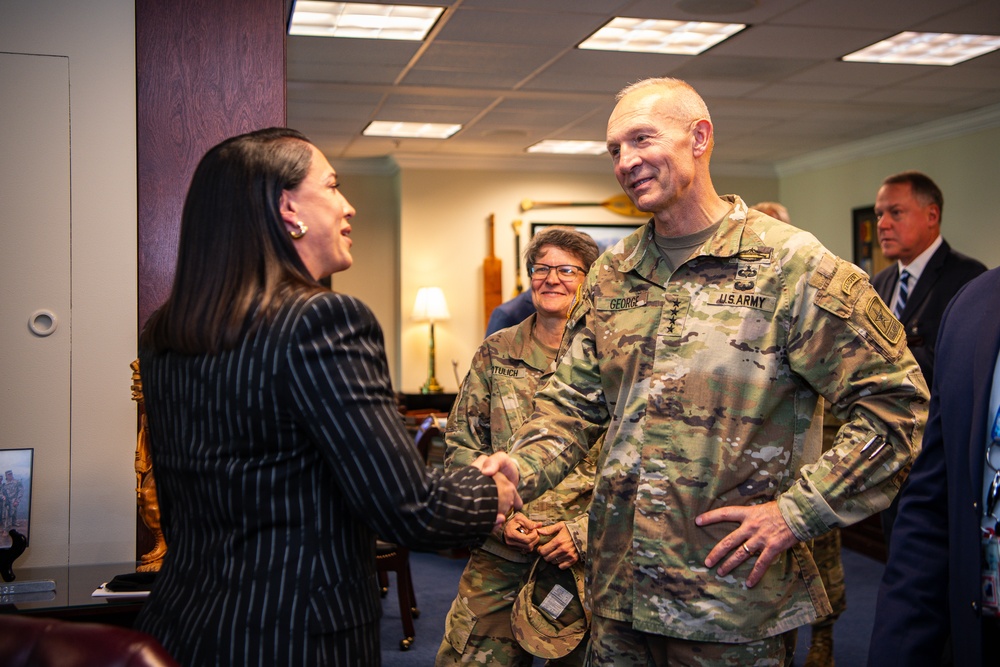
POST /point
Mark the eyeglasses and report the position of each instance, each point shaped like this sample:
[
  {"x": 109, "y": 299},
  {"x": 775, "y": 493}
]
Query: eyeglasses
[{"x": 563, "y": 271}]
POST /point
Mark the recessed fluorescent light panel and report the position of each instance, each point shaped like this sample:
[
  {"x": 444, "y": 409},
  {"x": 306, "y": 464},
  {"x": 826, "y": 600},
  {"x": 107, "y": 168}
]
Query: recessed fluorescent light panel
[
  {"x": 569, "y": 147},
  {"x": 687, "y": 38},
  {"x": 363, "y": 21},
  {"x": 926, "y": 48},
  {"x": 388, "y": 128}
]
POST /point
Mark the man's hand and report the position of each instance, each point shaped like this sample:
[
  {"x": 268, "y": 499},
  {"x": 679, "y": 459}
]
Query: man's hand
[
  {"x": 499, "y": 462},
  {"x": 762, "y": 533},
  {"x": 560, "y": 549},
  {"x": 519, "y": 533},
  {"x": 507, "y": 496}
]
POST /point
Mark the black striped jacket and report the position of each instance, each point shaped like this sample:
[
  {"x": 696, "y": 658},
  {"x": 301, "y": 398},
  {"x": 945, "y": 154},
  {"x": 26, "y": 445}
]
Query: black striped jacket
[{"x": 276, "y": 464}]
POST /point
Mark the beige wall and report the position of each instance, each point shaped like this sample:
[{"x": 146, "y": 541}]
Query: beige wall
[
  {"x": 442, "y": 234},
  {"x": 444, "y": 239},
  {"x": 964, "y": 167},
  {"x": 98, "y": 37},
  {"x": 414, "y": 227},
  {"x": 372, "y": 187}
]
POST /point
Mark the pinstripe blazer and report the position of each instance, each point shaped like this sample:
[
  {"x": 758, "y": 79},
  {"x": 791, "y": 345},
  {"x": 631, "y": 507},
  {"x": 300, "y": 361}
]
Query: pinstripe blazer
[{"x": 276, "y": 464}]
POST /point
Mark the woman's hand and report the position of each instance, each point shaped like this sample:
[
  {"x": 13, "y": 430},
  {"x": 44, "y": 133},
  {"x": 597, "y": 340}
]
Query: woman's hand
[
  {"x": 499, "y": 466},
  {"x": 507, "y": 497},
  {"x": 499, "y": 461},
  {"x": 559, "y": 549},
  {"x": 519, "y": 533}
]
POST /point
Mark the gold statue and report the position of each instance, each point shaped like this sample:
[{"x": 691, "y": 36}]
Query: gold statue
[{"x": 149, "y": 507}]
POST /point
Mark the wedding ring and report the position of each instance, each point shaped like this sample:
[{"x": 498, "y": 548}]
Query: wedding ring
[{"x": 747, "y": 549}]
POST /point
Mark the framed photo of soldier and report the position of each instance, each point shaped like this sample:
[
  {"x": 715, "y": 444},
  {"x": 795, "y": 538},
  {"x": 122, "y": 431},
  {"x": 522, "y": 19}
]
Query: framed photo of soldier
[{"x": 15, "y": 493}]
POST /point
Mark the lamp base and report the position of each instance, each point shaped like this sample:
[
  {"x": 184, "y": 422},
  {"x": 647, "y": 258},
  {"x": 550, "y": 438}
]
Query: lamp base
[{"x": 431, "y": 386}]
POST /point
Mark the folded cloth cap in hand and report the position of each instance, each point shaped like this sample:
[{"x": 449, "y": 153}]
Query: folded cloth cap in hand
[{"x": 550, "y": 618}]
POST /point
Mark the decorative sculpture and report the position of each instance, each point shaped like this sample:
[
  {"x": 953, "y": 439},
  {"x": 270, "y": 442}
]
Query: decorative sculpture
[{"x": 149, "y": 507}]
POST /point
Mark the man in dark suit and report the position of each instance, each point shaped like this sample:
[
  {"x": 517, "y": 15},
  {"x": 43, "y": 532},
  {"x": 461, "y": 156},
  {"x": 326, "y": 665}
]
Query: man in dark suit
[
  {"x": 909, "y": 207},
  {"x": 509, "y": 313},
  {"x": 927, "y": 272},
  {"x": 933, "y": 584}
]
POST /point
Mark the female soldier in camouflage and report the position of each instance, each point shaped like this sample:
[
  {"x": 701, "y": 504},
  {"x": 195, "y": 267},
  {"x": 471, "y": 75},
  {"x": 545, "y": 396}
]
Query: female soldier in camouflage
[{"x": 494, "y": 400}]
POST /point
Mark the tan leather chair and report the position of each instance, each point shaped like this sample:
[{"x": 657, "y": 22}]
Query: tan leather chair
[{"x": 32, "y": 641}]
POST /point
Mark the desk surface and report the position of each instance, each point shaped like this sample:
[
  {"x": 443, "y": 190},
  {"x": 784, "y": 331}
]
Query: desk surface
[{"x": 72, "y": 596}]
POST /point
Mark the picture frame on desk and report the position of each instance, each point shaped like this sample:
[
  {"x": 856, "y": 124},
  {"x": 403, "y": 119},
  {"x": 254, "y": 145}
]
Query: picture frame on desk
[
  {"x": 605, "y": 234},
  {"x": 15, "y": 493}
]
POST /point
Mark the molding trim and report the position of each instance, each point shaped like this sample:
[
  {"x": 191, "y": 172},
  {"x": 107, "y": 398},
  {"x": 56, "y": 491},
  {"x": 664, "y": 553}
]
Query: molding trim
[{"x": 920, "y": 135}]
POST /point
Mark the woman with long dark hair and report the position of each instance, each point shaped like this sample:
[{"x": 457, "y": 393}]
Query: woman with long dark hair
[{"x": 278, "y": 450}]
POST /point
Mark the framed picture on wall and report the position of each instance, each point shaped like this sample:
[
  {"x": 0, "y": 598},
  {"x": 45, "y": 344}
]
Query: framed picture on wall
[
  {"x": 867, "y": 252},
  {"x": 604, "y": 234},
  {"x": 15, "y": 493}
]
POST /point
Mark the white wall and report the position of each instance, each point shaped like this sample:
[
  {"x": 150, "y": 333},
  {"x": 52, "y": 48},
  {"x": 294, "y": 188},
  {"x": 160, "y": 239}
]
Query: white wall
[{"x": 98, "y": 37}]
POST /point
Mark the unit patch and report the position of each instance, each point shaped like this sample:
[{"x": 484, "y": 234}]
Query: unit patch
[
  {"x": 883, "y": 320},
  {"x": 849, "y": 282}
]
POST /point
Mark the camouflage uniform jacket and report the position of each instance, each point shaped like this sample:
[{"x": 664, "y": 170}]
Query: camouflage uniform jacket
[
  {"x": 495, "y": 399},
  {"x": 707, "y": 383}
]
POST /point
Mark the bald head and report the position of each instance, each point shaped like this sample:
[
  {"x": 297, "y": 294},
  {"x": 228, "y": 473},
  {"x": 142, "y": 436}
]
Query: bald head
[
  {"x": 680, "y": 101},
  {"x": 660, "y": 139}
]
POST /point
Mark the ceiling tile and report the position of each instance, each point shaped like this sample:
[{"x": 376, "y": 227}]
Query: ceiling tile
[{"x": 508, "y": 71}]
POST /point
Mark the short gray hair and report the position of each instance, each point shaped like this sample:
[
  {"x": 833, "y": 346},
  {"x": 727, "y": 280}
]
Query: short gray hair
[{"x": 564, "y": 238}]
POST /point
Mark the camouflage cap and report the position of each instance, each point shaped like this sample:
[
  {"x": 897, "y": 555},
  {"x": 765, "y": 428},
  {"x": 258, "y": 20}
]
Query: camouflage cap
[{"x": 549, "y": 618}]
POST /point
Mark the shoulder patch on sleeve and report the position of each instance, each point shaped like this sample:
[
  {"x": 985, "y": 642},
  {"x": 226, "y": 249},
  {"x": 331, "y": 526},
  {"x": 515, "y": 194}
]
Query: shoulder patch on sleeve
[
  {"x": 848, "y": 294},
  {"x": 837, "y": 285},
  {"x": 883, "y": 320}
]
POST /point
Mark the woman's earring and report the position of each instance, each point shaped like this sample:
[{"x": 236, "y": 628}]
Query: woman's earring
[{"x": 302, "y": 230}]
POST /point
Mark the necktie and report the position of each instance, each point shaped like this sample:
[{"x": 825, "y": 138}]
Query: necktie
[{"x": 904, "y": 292}]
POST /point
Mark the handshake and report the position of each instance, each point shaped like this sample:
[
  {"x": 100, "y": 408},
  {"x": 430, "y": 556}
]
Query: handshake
[{"x": 506, "y": 475}]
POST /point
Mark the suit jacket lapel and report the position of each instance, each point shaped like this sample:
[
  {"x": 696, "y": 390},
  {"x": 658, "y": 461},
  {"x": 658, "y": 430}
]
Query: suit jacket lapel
[
  {"x": 928, "y": 277},
  {"x": 884, "y": 288}
]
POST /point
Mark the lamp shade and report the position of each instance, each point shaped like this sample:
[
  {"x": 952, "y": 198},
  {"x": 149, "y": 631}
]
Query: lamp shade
[{"x": 430, "y": 305}]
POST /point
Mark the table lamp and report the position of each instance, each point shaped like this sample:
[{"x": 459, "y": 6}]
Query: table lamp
[{"x": 430, "y": 306}]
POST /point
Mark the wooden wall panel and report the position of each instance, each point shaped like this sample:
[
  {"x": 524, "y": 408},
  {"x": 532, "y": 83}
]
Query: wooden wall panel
[{"x": 206, "y": 70}]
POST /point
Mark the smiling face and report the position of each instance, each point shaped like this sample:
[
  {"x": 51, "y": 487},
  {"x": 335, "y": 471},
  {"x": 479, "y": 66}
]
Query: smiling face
[
  {"x": 906, "y": 225},
  {"x": 319, "y": 204},
  {"x": 656, "y": 138},
  {"x": 553, "y": 295}
]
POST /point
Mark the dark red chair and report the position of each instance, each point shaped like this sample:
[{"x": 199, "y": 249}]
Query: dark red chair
[
  {"x": 32, "y": 641},
  {"x": 390, "y": 557}
]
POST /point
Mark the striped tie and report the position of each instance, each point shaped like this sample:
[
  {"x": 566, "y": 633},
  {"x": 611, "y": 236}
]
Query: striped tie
[{"x": 904, "y": 292}]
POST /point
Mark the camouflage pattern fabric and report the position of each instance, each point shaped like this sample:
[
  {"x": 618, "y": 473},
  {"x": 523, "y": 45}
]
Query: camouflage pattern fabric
[
  {"x": 826, "y": 548},
  {"x": 826, "y": 552},
  {"x": 616, "y": 644},
  {"x": 706, "y": 382},
  {"x": 493, "y": 402}
]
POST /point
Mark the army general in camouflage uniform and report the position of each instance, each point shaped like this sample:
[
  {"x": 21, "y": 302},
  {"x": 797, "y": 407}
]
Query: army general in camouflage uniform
[
  {"x": 494, "y": 401},
  {"x": 701, "y": 345}
]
